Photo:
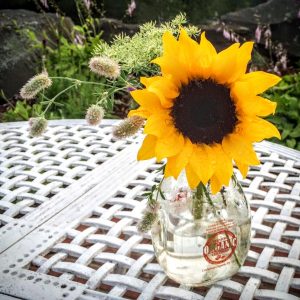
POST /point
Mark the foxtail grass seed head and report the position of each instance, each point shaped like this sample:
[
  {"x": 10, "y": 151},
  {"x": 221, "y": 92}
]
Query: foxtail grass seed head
[
  {"x": 37, "y": 126},
  {"x": 105, "y": 66},
  {"x": 94, "y": 114},
  {"x": 147, "y": 221},
  {"x": 128, "y": 127},
  {"x": 35, "y": 85}
]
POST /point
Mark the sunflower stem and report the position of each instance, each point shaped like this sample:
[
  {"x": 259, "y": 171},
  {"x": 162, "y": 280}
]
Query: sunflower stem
[
  {"x": 221, "y": 221},
  {"x": 198, "y": 202},
  {"x": 239, "y": 187},
  {"x": 223, "y": 197}
]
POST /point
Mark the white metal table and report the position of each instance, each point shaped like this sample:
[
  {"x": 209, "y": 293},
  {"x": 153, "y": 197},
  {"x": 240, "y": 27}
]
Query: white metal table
[{"x": 70, "y": 202}]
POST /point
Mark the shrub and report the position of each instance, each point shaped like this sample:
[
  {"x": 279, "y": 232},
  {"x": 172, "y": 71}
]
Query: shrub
[{"x": 287, "y": 117}]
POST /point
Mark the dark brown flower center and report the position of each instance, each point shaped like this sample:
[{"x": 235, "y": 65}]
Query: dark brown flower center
[{"x": 204, "y": 112}]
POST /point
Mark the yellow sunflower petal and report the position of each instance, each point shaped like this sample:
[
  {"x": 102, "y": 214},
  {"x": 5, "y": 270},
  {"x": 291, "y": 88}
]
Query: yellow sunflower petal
[
  {"x": 201, "y": 163},
  {"x": 206, "y": 46},
  {"x": 207, "y": 55},
  {"x": 192, "y": 177},
  {"x": 169, "y": 62},
  {"x": 256, "y": 106},
  {"x": 239, "y": 149},
  {"x": 170, "y": 66},
  {"x": 165, "y": 89},
  {"x": 147, "y": 100},
  {"x": 188, "y": 52},
  {"x": 256, "y": 129},
  {"x": 223, "y": 168},
  {"x": 158, "y": 125},
  {"x": 224, "y": 64},
  {"x": 242, "y": 167},
  {"x": 147, "y": 81},
  {"x": 178, "y": 162},
  {"x": 147, "y": 149},
  {"x": 215, "y": 184},
  {"x": 139, "y": 112},
  {"x": 258, "y": 82},
  {"x": 169, "y": 43},
  {"x": 169, "y": 145},
  {"x": 242, "y": 60}
]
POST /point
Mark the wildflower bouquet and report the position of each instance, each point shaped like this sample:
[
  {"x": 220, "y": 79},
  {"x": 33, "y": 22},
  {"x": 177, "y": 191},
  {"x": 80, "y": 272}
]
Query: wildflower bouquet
[{"x": 202, "y": 114}]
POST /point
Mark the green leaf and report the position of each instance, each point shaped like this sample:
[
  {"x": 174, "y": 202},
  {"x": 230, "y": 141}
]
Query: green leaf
[
  {"x": 21, "y": 110},
  {"x": 295, "y": 132},
  {"x": 285, "y": 133},
  {"x": 146, "y": 194},
  {"x": 162, "y": 194},
  {"x": 162, "y": 168},
  {"x": 291, "y": 143}
]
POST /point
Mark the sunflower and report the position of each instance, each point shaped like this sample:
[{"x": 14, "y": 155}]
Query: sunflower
[{"x": 204, "y": 111}]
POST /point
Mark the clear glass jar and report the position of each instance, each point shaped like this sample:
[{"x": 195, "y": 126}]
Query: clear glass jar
[{"x": 201, "y": 238}]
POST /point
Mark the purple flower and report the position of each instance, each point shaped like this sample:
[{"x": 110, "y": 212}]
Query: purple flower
[
  {"x": 258, "y": 34},
  {"x": 268, "y": 33},
  {"x": 44, "y": 3},
  {"x": 267, "y": 36},
  {"x": 234, "y": 37},
  {"x": 276, "y": 70},
  {"x": 226, "y": 34},
  {"x": 130, "y": 88},
  {"x": 131, "y": 8},
  {"x": 283, "y": 61},
  {"x": 78, "y": 40},
  {"x": 87, "y": 4}
]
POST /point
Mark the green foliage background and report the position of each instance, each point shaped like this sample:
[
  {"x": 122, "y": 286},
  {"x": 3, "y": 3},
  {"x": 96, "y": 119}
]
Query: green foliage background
[
  {"x": 67, "y": 59},
  {"x": 287, "y": 117}
]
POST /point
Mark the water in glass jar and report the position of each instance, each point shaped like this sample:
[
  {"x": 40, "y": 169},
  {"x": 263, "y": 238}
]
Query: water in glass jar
[{"x": 200, "y": 253}]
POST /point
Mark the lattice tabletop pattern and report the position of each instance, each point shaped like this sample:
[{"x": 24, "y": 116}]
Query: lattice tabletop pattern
[{"x": 71, "y": 201}]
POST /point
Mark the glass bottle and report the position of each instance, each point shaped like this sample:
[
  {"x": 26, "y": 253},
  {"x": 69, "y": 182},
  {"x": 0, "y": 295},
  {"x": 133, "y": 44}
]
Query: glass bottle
[{"x": 201, "y": 238}]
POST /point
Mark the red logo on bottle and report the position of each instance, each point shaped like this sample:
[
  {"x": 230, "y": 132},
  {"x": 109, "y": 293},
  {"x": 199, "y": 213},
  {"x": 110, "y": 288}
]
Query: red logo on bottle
[{"x": 220, "y": 247}]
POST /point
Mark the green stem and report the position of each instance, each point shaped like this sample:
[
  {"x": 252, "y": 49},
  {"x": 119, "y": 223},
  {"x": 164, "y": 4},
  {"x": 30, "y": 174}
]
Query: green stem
[
  {"x": 223, "y": 197},
  {"x": 238, "y": 185},
  {"x": 82, "y": 81},
  {"x": 218, "y": 217},
  {"x": 198, "y": 203},
  {"x": 56, "y": 96},
  {"x": 125, "y": 81},
  {"x": 151, "y": 200},
  {"x": 159, "y": 189}
]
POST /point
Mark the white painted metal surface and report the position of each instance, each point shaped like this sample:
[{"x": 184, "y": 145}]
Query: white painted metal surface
[{"x": 69, "y": 206}]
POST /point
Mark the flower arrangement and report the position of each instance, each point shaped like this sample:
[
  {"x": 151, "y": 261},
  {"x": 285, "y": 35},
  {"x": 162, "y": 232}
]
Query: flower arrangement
[{"x": 203, "y": 113}]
